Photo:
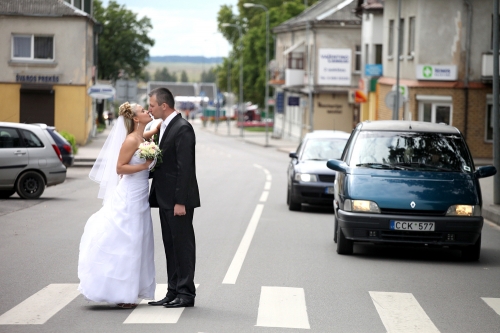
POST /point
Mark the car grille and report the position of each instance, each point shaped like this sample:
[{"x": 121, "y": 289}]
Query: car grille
[
  {"x": 412, "y": 212},
  {"x": 415, "y": 236},
  {"x": 326, "y": 178}
]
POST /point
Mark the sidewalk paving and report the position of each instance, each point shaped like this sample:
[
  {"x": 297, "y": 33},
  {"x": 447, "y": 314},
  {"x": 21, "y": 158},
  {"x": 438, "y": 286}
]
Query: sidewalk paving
[{"x": 87, "y": 155}]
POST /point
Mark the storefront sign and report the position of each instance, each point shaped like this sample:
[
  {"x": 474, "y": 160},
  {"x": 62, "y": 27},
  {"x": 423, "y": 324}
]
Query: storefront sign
[
  {"x": 373, "y": 70},
  {"x": 334, "y": 67},
  {"x": 37, "y": 78},
  {"x": 437, "y": 72},
  {"x": 293, "y": 101}
]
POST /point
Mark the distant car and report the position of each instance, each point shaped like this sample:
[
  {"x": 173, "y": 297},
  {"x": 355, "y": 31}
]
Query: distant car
[
  {"x": 29, "y": 160},
  {"x": 402, "y": 182},
  {"x": 64, "y": 146},
  {"x": 309, "y": 179}
]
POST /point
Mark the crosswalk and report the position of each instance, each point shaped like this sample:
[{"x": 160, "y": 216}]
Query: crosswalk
[{"x": 279, "y": 307}]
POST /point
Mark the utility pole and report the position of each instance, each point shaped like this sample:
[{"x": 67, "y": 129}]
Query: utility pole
[
  {"x": 495, "y": 107},
  {"x": 395, "y": 111}
]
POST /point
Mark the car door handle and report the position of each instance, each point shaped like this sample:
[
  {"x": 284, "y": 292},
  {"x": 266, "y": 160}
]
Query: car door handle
[{"x": 20, "y": 152}]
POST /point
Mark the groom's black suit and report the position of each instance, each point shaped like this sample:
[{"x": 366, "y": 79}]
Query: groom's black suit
[{"x": 174, "y": 182}]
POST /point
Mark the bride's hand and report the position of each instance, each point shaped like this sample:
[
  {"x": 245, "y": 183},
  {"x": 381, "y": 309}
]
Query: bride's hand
[{"x": 147, "y": 164}]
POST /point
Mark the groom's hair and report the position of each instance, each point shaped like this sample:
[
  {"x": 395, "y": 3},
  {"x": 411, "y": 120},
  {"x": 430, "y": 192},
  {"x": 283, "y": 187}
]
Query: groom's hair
[{"x": 163, "y": 95}]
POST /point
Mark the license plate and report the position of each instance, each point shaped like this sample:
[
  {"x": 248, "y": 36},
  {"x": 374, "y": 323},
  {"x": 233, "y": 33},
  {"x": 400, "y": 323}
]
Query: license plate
[
  {"x": 329, "y": 190},
  {"x": 412, "y": 226}
]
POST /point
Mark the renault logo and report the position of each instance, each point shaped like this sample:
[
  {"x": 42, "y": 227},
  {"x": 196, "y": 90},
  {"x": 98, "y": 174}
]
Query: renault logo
[{"x": 412, "y": 204}]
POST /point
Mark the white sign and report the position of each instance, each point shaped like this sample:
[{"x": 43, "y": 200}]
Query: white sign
[
  {"x": 101, "y": 91},
  {"x": 437, "y": 72},
  {"x": 403, "y": 90},
  {"x": 334, "y": 67}
]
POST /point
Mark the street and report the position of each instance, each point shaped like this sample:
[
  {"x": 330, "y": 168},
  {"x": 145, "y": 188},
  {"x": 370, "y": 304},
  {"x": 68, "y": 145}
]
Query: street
[{"x": 260, "y": 267}]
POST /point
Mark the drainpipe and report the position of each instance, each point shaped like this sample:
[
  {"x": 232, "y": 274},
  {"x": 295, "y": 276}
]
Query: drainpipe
[{"x": 467, "y": 65}]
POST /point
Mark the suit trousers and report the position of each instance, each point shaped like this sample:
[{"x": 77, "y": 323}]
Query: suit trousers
[{"x": 180, "y": 252}]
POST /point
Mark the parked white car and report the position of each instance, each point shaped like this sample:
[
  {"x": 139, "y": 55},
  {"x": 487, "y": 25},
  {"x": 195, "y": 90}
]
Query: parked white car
[{"x": 29, "y": 160}]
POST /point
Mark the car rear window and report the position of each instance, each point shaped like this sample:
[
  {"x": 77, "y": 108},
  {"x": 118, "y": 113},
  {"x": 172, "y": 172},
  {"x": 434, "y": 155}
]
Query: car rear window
[
  {"x": 31, "y": 140},
  {"x": 58, "y": 138},
  {"x": 411, "y": 151},
  {"x": 323, "y": 149},
  {"x": 9, "y": 138}
]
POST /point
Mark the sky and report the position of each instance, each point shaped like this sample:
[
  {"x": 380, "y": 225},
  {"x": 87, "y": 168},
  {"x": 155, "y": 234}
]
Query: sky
[{"x": 183, "y": 27}]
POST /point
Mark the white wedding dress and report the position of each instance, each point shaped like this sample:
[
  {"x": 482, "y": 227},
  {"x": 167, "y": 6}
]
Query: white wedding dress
[{"x": 116, "y": 263}]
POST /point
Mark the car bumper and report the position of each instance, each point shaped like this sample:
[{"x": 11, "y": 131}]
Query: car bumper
[
  {"x": 56, "y": 175},
  {"x": 375, "y": 228},
  {"x": 314, "y": 194}
]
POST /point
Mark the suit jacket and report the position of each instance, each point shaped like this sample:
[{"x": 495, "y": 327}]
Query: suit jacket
[{"x": 174, "y": 180}]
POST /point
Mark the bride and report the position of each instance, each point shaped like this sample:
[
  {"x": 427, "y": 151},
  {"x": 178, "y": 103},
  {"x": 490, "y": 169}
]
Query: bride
[{"x": 116, "y": 262}]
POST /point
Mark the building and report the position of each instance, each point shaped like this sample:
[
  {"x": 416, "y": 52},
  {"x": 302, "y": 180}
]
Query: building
[
  {"x": 446, "y": 66},
  {"x": 47, "y": 63},
  {"x": 317, "y": 69}
]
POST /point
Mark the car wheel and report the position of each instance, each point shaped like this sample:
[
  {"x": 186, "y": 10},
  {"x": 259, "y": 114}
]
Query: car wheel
[
  {"x": 293, "y": 205},
  {"x": 30, "y": 185},
  {"x": 344, "y": 245},
  {"x": 472, "y": 252},
  {"x": 335, "y": 228},
  {"x": 4, "y": 194}
]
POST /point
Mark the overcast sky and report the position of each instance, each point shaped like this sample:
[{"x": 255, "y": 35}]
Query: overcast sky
[{"x": 183, "y": 27}]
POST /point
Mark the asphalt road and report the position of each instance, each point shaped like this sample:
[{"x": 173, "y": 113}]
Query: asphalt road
[{"x": 260, "y": 267}]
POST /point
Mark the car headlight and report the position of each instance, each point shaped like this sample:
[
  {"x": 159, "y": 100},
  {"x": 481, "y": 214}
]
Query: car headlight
[
  {"x": 363, "y": 206},
  {"x": 306, "y": 177},
  {"x": 464, "y": 210}
]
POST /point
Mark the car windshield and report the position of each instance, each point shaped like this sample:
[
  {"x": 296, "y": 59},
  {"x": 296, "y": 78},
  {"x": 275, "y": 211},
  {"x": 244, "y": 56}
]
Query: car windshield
[
  {"x": 438, "y": 152},
  {"x": 323, "y": 149}
]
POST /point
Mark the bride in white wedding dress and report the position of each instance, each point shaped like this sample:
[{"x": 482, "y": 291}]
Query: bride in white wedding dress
[{"x": 116, "y": 262}]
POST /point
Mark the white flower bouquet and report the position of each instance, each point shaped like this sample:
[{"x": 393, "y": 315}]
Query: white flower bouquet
[{"x": 149, "y": 150}]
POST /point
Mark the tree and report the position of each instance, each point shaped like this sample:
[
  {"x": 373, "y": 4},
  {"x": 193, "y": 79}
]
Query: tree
[
  {"x": 124, "y": 44},
  {"x": 164, "y": 76},
  {"x": 209, "y": 76},
  {"x": 184, "y": 76}
]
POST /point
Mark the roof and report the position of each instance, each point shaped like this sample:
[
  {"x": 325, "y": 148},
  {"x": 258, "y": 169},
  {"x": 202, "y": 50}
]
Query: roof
[
  {"x": 327, "y": 134},
  {"x": 40, "y": 8},
  {"x": 407, "y": 126},
  {"x": 328, "y": 11},
  {"x": 177, "y": 89}
]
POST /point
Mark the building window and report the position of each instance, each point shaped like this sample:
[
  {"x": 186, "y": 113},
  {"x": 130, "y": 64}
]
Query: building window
[
  {"x": 378, "y": 53},
  {"x": 390, "y": 43},
  {"x": 296, "y": 60},
  {"x": 367, "y": 54},
  {"x": 489, "y": 122},
  {"x": 357, "y": 62},
  {"x": 435, "y": 109},
  {"x": 401, "y": 36},
  {"x": 411, "y": 36},
  {"x": 77, "y": 3},
  {"x": 32, "y": 47}
]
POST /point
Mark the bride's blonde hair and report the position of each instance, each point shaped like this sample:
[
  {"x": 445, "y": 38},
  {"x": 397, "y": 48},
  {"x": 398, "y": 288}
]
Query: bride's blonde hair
[{"x": 128, "y": 111}]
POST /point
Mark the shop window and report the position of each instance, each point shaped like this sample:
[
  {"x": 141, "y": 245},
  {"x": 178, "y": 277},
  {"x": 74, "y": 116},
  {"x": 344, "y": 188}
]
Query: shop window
[
  {"x": 435, "y": 111},
  {"x": 32, "y": 47},
  {"x": 489, "y": 123}
]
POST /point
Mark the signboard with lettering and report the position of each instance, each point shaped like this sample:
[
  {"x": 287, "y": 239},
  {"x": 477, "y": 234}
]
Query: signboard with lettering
[
  {"x": 373, "y": 70},
  {"x": 37, "y": 78},
  {"x": 334, "y": 67},
  {"x": 293, "y": 101},
  {"x": 280, "y": 102},
  {"x": 437, "y": 72}
]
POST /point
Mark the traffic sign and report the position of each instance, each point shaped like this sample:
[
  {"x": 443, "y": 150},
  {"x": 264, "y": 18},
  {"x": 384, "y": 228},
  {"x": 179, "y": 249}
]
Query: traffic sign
[
  {"x": 101, "y": 91},
  {"x": 390, "y": 100}
]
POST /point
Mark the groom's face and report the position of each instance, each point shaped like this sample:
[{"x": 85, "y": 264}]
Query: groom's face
[{"x": 156, "y": 110}]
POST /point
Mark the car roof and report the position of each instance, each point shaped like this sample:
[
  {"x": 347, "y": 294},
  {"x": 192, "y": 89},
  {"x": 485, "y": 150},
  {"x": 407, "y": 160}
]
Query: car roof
[
  {"x": 328, "y": 134},
  {"x": 21, "y": 125},
  {"x": 406, "y": 126}
]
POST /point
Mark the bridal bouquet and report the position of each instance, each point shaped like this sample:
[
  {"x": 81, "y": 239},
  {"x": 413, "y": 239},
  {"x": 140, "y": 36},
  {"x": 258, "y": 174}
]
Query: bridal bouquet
[{"x": 149, "y": 150}]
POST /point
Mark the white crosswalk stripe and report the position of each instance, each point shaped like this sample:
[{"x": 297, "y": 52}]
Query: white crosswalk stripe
[
  {"x": 282, "y": 307},
  {"x": 494, "y": 303},
  {"x": 40, "y": 307},
  {"x": 401, "y": 313},
  {"x": 147, "y": 314}
]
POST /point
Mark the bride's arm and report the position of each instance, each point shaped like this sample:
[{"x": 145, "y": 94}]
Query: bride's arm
[
  {"x": 129, "y": 147},
  {"x": 156, "y": 130}
]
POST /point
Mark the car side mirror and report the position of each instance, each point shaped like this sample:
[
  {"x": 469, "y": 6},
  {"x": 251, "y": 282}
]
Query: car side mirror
[
  {"x": 485, "y": 171},
  {"x": 293, "y": 155},
  {"x": 337, "y": 165}
]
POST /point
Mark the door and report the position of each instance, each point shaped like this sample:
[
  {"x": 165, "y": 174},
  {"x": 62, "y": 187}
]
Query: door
[
  {"x": 37, "y": 106},
  {"x": 13, "y": 156}
]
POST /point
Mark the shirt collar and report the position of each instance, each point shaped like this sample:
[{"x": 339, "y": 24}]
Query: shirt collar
[{"x": 169, "y": 119}]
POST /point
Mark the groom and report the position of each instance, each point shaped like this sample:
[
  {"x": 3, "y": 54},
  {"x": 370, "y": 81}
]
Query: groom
[{"x": 174, "y": 190}]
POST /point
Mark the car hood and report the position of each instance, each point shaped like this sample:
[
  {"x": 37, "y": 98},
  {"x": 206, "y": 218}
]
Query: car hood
[
  {"x": 314, "y": 167},
  {"x": 433, "y": 191}
]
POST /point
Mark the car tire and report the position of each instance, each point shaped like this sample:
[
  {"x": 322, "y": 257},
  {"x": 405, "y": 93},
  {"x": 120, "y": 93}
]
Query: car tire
[
  {"x": 30, "y": 185},
  {"x": 293, "y": 205},
  {"x": 335, "y": 228},
  {"x": 472, "y": 252},
  {"x": 4, "y": 194},
  {"x": 344, "y": 245}
]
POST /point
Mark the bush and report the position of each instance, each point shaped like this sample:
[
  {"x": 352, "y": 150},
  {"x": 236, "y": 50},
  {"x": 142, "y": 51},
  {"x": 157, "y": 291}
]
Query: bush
[{"x": 71, "y": 139}]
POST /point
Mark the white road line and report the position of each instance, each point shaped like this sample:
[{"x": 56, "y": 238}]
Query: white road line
[
  {"x": 239, "y": 257},
  {"x": 147, "y": 314},
  {"x": 401, "y": 313},
  {"x": 263, "y": 197},
  {"x": 40, "y": 307},
  {"x": 267, "y": 186},
  {"x": 282, "y": 307},
  {"x": 269, "y": 177},
  {"x": 494, "y": 303}
]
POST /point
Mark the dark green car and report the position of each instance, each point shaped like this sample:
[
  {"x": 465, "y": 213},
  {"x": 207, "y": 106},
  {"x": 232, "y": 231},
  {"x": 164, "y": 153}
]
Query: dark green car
[{"x": 408, "y": 182}]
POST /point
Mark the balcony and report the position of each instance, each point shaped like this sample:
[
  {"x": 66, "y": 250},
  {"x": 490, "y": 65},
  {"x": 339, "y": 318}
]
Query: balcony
[
  {"x": 294, "y": 77},
  {"x": 487, "y": 67}
]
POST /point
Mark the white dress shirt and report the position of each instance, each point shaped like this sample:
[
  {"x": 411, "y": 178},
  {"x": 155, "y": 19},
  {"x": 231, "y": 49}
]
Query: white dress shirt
[{"x": 165, "y": 124}]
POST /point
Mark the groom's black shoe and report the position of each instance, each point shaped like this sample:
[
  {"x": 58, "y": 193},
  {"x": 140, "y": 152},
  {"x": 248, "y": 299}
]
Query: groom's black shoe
[
  {"x": 180, "y": 303},
  {"x": 163, "y": 301}
]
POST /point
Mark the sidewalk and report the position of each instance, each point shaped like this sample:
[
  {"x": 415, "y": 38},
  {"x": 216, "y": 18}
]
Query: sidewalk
[{"x": 88, "y": 154}]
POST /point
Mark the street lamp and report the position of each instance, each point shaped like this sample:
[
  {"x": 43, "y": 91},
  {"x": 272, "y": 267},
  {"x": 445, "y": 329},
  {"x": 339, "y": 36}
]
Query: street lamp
[
  {"x": 249, "y": 5},
  {"x": 225, "y": 25}
]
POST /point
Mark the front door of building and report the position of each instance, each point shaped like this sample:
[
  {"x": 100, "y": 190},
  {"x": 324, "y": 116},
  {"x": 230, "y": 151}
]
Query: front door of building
[{"x": 37, "y": 106}]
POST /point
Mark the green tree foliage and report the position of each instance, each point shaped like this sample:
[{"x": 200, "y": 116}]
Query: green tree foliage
[
  {"x": 209, "y": 76},
  {"x": 124, "y": 43},
  {"x": 164, "y": 75},
  {"x": 253, "y": 23},
  {"x": 184, "y": 76}
]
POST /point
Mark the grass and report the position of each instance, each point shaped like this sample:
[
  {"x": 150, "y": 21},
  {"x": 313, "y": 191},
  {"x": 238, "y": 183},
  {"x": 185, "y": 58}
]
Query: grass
[{"x": 258, "y": 129}]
